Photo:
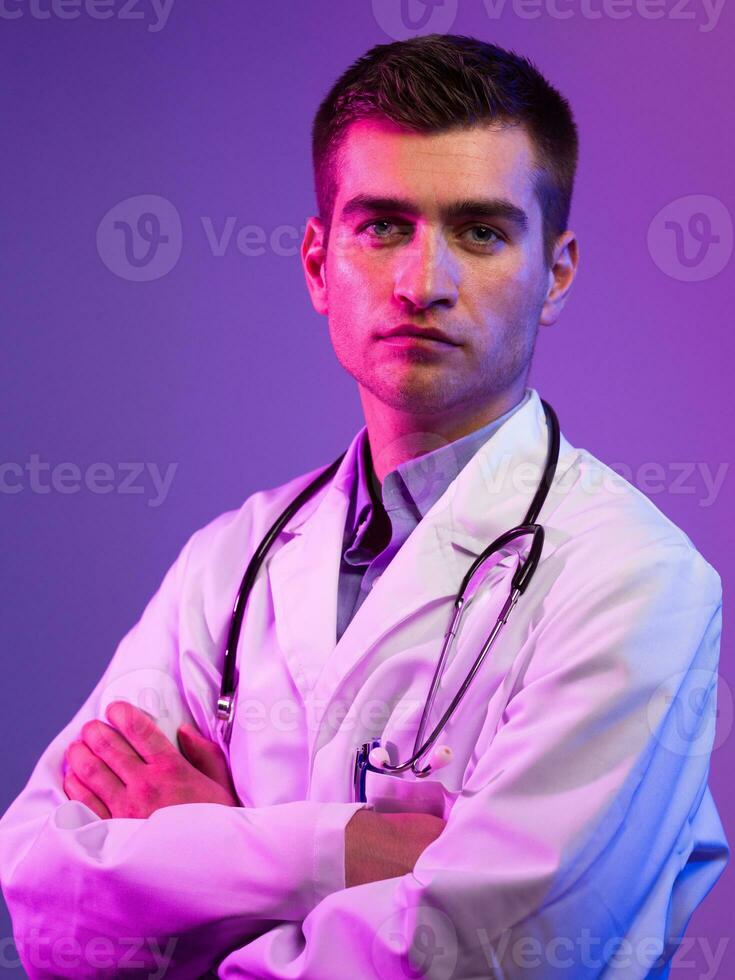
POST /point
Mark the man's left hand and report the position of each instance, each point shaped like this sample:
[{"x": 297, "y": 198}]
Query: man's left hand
[{"x": 130, "y": 769}]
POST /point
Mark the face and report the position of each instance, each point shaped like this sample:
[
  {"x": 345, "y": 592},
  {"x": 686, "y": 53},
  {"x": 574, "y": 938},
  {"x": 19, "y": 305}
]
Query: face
[{"x": 435, "y": 231}]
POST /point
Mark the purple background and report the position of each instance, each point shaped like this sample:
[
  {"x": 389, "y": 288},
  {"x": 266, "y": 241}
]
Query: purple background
[{"x": 215, "y": 363}]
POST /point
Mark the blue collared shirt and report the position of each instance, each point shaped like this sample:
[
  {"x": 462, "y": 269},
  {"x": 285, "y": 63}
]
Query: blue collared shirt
[{"x": 380, "y": 518}]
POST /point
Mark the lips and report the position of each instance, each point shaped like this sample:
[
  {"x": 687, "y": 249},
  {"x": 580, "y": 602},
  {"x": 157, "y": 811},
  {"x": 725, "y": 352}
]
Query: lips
[{"x": 406, "y": 330}]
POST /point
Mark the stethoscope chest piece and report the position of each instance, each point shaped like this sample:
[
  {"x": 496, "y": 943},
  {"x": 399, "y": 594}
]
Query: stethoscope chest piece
[
  {"x": 373, "y": 756},
  {"x": 362, "y": 767}
]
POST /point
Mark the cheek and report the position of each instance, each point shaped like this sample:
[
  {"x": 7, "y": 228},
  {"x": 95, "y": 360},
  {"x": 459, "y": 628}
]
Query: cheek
[
  {"x": 356, "y": 276},
  {"x": 357, "y": 299},
  {"x": 503, "y": 292},
  {"x": 351, "y": 279}
]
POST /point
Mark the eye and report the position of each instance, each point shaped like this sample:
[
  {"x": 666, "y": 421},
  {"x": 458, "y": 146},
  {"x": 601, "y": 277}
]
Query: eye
[
  {"x": 383, "y": 229},
  {"x": 375, "y": 224},
  {"x": 487, "y": 231}
]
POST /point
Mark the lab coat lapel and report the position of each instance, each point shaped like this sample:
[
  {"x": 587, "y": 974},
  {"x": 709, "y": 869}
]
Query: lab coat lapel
[
  {"x": 303, "y": 573},
  {"x": 490, "y": 495}
]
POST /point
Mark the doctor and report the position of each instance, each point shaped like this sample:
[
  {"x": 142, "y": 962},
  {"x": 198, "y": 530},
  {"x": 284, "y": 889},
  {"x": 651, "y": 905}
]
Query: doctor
[{"x": 573, "y": 832}]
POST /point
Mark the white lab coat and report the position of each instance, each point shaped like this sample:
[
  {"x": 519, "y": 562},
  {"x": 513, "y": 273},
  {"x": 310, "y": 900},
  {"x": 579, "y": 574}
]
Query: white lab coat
[{"x": 577, "y": 801}]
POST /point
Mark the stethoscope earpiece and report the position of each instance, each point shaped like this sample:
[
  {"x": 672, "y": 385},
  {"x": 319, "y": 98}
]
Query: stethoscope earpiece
[
  {"x": 440, "y": 756},
  {"x": 379, "y": 757}
]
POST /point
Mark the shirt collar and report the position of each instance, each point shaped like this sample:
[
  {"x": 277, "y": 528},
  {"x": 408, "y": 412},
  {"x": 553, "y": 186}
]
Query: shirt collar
[{"x": 420, "y": 481}]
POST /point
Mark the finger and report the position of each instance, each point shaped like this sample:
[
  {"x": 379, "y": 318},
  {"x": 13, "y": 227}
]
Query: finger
[
  {"x": 206, "y": 756},
  {"x": 94, "y": 773},
  {"x": 76, "y": 790},
  {"x": 140, "y": 729},
  {"x": 114, "y": 750}
]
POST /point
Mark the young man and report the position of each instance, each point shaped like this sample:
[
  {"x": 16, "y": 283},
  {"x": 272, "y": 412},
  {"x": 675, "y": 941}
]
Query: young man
[{"x": 572, "y": 830}]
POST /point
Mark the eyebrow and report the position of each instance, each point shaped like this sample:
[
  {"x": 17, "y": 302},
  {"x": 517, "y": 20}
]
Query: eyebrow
[{"x": 495, "y": 207}]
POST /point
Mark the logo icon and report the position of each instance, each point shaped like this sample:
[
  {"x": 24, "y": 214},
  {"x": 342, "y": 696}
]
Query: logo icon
[
  {"x": 690, "y": 239},
  {"x": 140, "y": 238},
  {"x": 401, "y": 19},
  {"x": 420, "y": 941},
  {"x": 699, "y": 709}
]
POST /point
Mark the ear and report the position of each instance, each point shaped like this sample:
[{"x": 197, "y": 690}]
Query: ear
[
  {"x": 314, "y": 261},
  {"x": 561, "y": 276}
]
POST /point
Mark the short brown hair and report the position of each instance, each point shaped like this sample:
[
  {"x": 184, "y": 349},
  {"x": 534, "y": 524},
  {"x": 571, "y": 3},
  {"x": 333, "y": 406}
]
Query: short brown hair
[{"x": 439, "y": 82}]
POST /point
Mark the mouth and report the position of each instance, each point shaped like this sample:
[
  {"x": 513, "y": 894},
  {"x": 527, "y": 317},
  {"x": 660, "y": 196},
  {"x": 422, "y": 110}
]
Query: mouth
[
  {"x": 408, "y": 335},
  {"x": 412, "y": 342}
]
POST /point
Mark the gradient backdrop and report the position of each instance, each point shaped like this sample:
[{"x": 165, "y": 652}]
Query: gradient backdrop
[{"x": 187, "y": 366}]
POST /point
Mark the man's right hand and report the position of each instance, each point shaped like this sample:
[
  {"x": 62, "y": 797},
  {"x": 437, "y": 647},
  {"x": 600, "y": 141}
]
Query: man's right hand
[
  {"x": 386, "y": 845},
  {"x": 129, "y": 768}
]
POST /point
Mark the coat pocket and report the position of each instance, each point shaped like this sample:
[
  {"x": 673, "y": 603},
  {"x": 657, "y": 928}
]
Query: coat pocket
[{"x": 408, "y": 794}]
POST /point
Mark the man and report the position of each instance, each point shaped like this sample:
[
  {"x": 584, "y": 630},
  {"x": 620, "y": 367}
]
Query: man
[{"x": 572, "y": 832}]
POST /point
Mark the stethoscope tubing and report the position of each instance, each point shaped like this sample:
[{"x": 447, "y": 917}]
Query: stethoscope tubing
[
  {"x": 225, "y": 702},
  {"x": 519, "y": 583}
]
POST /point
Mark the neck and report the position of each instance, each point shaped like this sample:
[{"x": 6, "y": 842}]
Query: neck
[{"x": 396, "y": 436}]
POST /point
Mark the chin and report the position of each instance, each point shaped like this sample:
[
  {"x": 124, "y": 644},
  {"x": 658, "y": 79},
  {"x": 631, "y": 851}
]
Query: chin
[{"x": 414, "y": 401}]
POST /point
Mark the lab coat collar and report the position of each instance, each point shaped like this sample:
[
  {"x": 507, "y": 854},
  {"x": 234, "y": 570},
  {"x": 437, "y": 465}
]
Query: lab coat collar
[{"x": 490, "y": 495}]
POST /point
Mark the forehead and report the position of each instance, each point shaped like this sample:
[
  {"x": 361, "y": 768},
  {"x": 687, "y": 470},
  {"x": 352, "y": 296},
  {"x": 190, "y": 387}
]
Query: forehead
[{"x": 380, "y": 157}]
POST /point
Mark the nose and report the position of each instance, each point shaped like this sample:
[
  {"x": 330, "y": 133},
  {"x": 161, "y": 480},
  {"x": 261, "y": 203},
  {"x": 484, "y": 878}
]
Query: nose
[{"x": 426, "y": 273}]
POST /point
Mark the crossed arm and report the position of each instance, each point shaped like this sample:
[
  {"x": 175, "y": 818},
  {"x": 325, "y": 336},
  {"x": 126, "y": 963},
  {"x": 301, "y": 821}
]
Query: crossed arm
[
  {"x": 572, "y": 792},
  {"x": 129, "y": 768}
]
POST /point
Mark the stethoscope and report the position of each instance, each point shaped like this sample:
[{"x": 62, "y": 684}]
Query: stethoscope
[{"x": 372, "y": 756}]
